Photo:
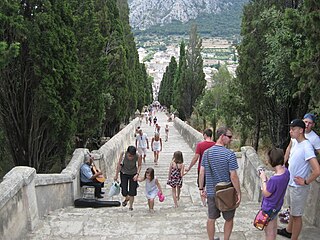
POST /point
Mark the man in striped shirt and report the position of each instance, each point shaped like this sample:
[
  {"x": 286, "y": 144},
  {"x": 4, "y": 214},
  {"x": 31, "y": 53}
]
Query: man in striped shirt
[{"x": 219, "y": 164}]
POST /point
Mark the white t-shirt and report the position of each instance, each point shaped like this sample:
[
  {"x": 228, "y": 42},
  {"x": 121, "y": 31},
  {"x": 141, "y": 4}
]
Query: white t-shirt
[
  {"x": 142, "y": 140},
  {"x": 299, "y": 157},
  {"x": 314, "y": 139}
]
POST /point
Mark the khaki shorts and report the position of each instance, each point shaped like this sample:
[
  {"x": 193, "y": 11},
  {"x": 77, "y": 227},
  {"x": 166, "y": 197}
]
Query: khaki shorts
[
  {"x": 142, "y": 151},
  {"x": 214, "y": 212},
  {"x": 297, "y": 199}
]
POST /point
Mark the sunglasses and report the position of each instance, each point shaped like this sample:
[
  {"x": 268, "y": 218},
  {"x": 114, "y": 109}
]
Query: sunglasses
[{"x": 230, "y": 137}]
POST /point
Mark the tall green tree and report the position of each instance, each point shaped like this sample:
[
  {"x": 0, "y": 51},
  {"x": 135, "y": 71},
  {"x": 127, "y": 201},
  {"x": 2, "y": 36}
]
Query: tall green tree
[
  {"x": 191, "y": 78},
  {"x": 39, "y": 88},
  {"x": 167, "y": 83}
]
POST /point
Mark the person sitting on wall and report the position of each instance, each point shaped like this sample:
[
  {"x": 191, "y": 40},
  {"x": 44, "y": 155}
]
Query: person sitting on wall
[{"x": 88, "y": 178}]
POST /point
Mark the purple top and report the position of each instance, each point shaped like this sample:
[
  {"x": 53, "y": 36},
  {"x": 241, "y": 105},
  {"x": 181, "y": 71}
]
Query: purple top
[{"x": 276, "y": 185}]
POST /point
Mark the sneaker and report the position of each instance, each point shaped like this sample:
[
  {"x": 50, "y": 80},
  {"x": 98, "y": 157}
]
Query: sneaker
[
  {"x": 99, "y": 196},
  {"x": 284, "y": 213},
  {"x": 284, "y": 220},
  {"x": 283, "y": 232},
  {"x": 216, "y": 238}
]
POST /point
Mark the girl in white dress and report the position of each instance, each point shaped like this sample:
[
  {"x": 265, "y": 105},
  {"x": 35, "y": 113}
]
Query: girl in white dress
[
  {"x": 156, "y": 145},
  {"x": 152, "y": 187}
]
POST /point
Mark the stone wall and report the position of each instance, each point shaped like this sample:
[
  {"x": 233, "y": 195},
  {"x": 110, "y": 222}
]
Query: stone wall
[{"x": 26, "y": 196}]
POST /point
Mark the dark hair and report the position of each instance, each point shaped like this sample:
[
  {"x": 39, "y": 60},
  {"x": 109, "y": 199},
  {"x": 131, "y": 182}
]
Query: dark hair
[
  {"x": 208, "y": 132},
  {"x": 222, "y": 131},
  {"x": 150, "y": 171},
  {"x": 276, "y": 157},
  {"x": 132, "y": 150},
  {"x": 177, "y": 157}
]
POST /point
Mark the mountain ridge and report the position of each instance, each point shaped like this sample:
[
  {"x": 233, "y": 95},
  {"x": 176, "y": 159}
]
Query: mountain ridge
[{"x": 146, "y": 14}]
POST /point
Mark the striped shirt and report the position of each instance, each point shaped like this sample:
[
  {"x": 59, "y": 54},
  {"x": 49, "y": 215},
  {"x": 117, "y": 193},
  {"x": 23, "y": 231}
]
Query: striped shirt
[{"x": 222, "y": 161}]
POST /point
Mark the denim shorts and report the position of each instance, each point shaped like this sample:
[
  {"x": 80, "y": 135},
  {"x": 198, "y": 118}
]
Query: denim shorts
[{"x": 272, "y": 214}]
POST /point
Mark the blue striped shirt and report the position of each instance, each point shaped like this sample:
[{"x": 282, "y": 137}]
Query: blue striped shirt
[{"x": 222, "y": 161}]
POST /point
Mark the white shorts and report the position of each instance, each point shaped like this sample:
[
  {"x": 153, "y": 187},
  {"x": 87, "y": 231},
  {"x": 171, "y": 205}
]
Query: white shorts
[
  {"x": 142, "y": 151},
  {"x": 297, "y": 199}
]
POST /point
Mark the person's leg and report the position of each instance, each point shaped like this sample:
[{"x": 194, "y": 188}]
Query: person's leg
[
  {"x": 227, "y": 229},
  {"x": 211, "y": 228},
  {"x": 132, "y": 191},
  {"x": 213, "y": 214},
  {"x": 154, "y": 156},
  {"x": 178, "y": 193},
  {"x": 174, "y": 196},
  {"x": 131, "y": 200},
  {"x": 271, "y": 230},
  {"x": 151, "y": 204},
  {"x": 296, "y": 226},
  {"x": 298, "y": 199},
  {"x": 124, "y": 188}
]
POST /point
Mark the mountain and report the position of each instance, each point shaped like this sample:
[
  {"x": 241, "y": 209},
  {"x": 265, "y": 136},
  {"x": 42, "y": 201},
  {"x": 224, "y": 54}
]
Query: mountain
[{"x": 159, "y": 14}]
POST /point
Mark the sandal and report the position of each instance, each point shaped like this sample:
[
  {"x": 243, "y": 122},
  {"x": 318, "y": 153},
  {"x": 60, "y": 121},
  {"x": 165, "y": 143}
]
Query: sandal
[{"x": 124, "y": 203}]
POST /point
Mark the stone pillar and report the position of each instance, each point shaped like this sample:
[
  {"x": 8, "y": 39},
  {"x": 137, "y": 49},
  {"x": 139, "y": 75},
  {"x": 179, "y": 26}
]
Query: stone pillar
[{"x": 23, "y": 179}]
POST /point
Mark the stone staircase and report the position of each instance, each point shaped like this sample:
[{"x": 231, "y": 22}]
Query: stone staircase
[{"x": 188, "y": 221}]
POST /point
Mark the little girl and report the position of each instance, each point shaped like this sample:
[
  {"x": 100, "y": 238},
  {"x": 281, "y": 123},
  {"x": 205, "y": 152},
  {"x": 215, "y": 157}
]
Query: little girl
[
  {"x": 167, "y": 132},
  {"x": 156, "y": 145},
  {"x": 152, "y": 187},
  {"x": 176, "y": 171},
  {"x": 273, "y": 190}
]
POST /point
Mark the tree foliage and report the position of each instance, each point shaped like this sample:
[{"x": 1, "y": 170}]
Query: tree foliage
[
  {"x": 190, "y": 78},
  {"x": 67, "y": 68}
]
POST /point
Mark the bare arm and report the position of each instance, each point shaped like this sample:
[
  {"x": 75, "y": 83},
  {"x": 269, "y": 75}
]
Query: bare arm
[
  {"x": 236, "y": 183},
  {"x": 193, "y": 161},
  {"x": 315, "y": 172},
  {"x": 152, "y": 143},
  {"x": 135, "y": 178},
  {"x": 118, "y": 167},
  {"x": 158, "y": 185},
  {"x": 264, "y": 181},
  {"x": 182, "y": 170},
  {"x": 169, "y": 173},
  {"x": 287, "y": 154}
]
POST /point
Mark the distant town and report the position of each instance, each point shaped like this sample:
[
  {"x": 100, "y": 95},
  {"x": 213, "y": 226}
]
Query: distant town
[{"x": 156, "y": 53}]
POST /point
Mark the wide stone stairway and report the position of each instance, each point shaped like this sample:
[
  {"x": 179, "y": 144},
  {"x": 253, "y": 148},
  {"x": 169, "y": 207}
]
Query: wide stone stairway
[{"x": 188, "y": 221}]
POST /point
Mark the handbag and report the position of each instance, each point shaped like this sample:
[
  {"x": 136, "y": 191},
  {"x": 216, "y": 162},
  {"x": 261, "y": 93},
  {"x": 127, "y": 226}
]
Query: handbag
[
  {"x": 226, "y": 197},
  {"x": 261, "y": 220}
]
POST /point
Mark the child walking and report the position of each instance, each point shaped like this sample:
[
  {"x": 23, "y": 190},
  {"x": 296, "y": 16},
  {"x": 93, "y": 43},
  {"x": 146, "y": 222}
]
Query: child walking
[
  {"x": 152, "y": 187},
  {"x": 167, "y": 132},
  {"x": 176, "y": 171},
  {"x": 156, "y": 145},
  {"x": 273, "y": 190}
]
